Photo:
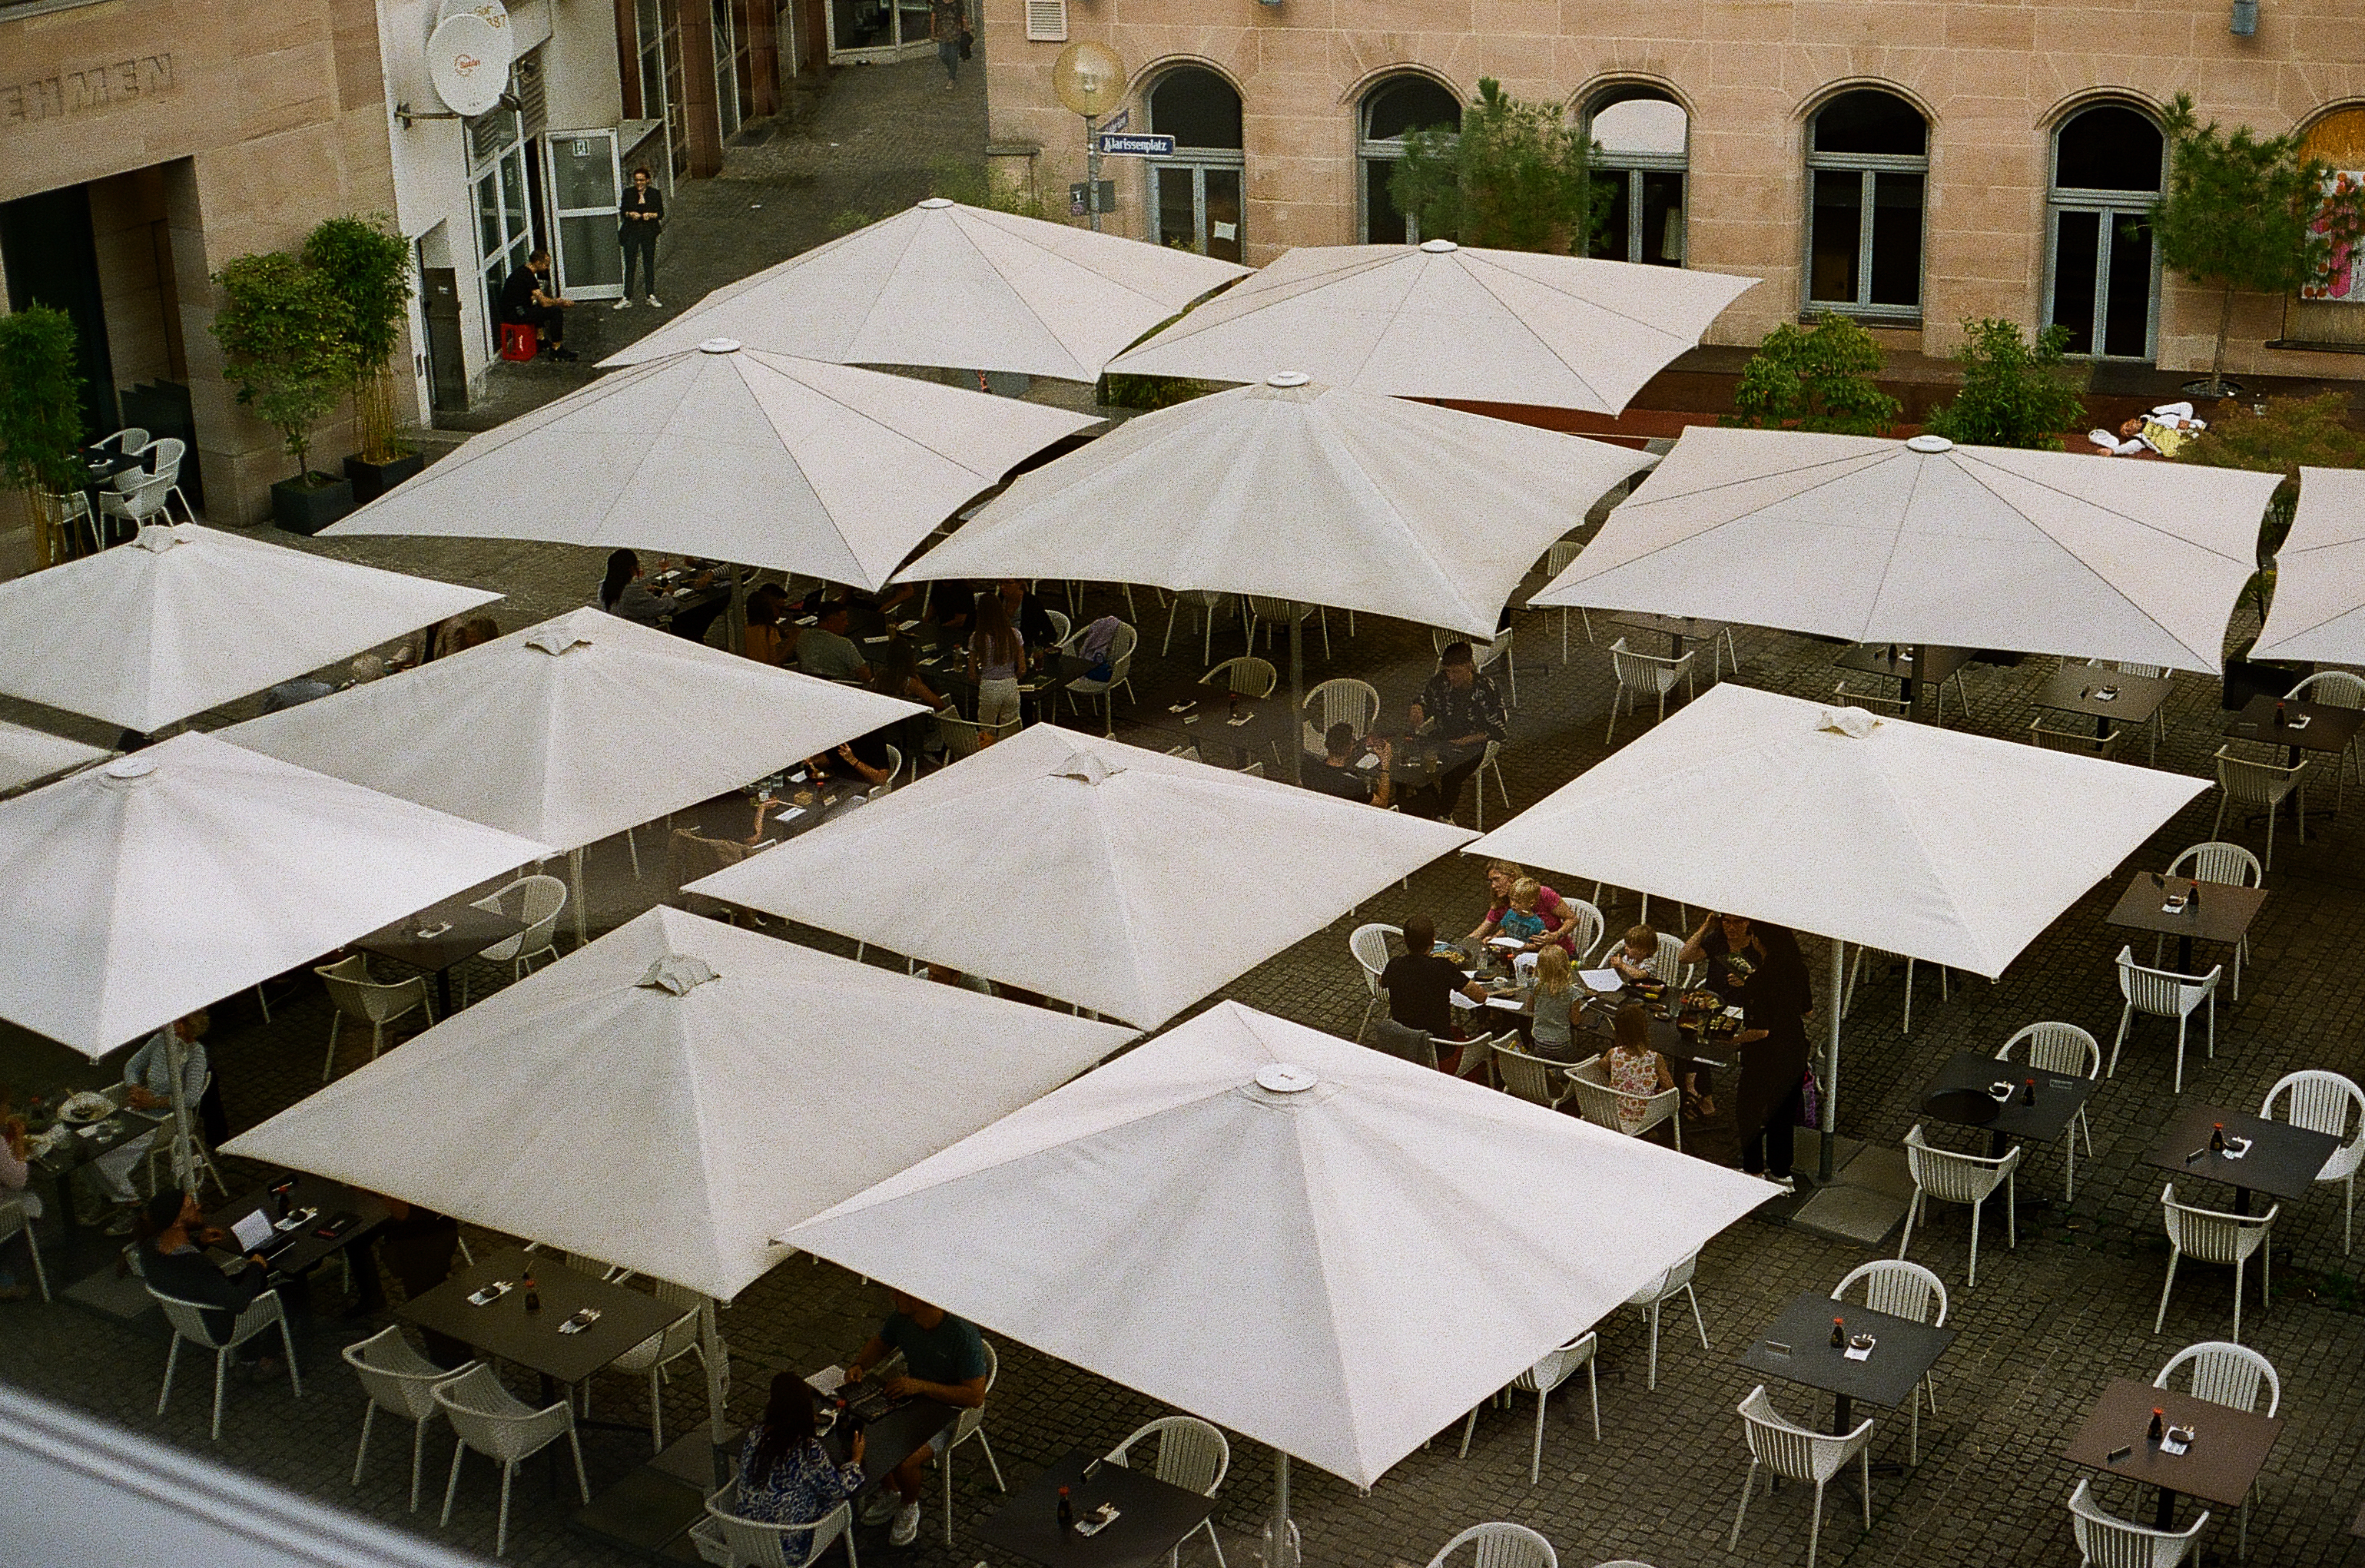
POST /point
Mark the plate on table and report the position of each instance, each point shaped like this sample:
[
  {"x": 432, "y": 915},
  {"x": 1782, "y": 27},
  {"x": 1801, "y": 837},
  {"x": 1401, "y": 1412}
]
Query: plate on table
[{"x": 88, "y": 1106}]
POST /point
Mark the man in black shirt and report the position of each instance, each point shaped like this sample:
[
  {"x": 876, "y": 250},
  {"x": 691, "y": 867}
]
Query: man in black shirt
[
  {"x": 1338, "y": 774},
  {"x": 637, "y": 229},
  {"x": 1420, "y": 986},
  {"x": 524, "y": 300},
  {"x": 173, "y": 1263},
  {"x": 1468, "y": 712},
  {"x": 1026, "y": 613}
]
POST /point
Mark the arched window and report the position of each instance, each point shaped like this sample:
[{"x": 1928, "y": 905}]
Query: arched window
[
  {"x": 1868, "y": 164},
  {"x": 1194, "y": 198},
  {"x": 1392, "y": 109},
  {"x": 1643, "y": 141},
  {"x": 2331, "y": 310},
  {"x": 2101, "y": 274}
]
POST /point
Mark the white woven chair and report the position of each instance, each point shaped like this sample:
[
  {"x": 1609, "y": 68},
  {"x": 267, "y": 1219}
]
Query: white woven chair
[
  {"x": 1556, "y": 1368},
  {"x": 2217, "y": 861},
  {"x": 127, "y": 440},
  {"x": 1272, "y": 613},
  {"x": 1597, "y": 1102},
  {"x": 2211, "y": 1236},
  {"x": 2327, "y": 1103},
  {"x": 1673, "y": 1281},
  {"x": 1872, "y": 701},
  {"x": 2067, "y": 1049},
  {"x": 16, "y": 1218},
  {"x": 1490, "y": 761},
  {"x": 162, "y": 457},
  {"x": 2232, "y": 1375},
  {"x": 1558, "y": 559},
  {"x": 1669, "y": 964},
  {"x": 538, "y": 901},
  {"x": 1192, "y": 1455},
  {"x": 143, "y": 504},
  {"x": 1340, "y": 700},
  {"x": 2163, "y": 993},
  {"x": 1369, "y": 944},
  {"x": 1795, "y": 1453},
  {"x": 963, "y": 737},
  {"x": 365, "y": 1000},
  {"x": 188, "y": 1321},
  {"x": 1908, "y": 1290},
  {"x": 1500, "y": 1546},
  {"x": 1590, "y": 923},
  {"x": 658, "y": 1351},
  {"x": 1246, "y": 675},
  {"x": 2335, "y": 688},
  {"x": 2077, "y": 742},
  {"x": 1960, "y": 1178},
  {"x": 2105, "y": 1541},
  {"x": 1644, "y": 674},
  {"x": 1208, "y": 604},
  {"x": 2245, "y": 781},
  {"x": 726, "y": 1539},
  {"x": 1120, "y": 677},
  {"x": 1061, "y": 625},
  {"x": 1530, "y": 1078},
  {"x": 972, "y": 1424},
  {"x": 399, "y": 1381},
  {"x": 486, "y": 1417}
]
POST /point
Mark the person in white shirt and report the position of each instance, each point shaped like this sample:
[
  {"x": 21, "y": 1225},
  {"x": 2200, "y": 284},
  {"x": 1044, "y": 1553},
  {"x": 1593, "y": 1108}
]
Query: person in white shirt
[{"x": 148, "y": 1091}]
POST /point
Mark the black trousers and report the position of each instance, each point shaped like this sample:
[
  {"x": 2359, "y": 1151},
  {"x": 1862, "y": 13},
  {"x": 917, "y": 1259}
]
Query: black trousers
[
  {"x": 1772, "y": 1149},
  {"x": 1442, "y": 799},
  {"x": 548, "y": 321},
  {"x": 640, "y": 241}
]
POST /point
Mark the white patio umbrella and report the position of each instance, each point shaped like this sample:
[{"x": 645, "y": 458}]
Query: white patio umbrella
[
  {"x": 1444, "y": 321},
  {"x": 1951, "y": 848},
  {"x": 2319, "y": 605},
  {"x": 732, "y": 454},
  {"x": 1922, "y": 541},
  {"x": 187, "y": 618},
  {"x": 28, "y": 754},
  {"x": 672, "y": 1096},
  {"x": 1116, "y": 879},
  {"x": 569, "y": 731},
  {"x": 941, "y": 283},
  {"x": 1317, "y": 1245}
]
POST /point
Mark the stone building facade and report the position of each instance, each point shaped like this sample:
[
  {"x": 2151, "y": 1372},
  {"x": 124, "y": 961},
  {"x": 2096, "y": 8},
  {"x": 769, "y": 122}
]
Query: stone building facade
[{"x": 1913, "y": 161}]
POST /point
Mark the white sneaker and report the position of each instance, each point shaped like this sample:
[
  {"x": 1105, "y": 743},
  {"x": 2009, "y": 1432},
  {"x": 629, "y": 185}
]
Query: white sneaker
[
  {"x": 907, "y": 1525},
  {"x": 653, "y": 302},
  {"x": 882, "y": 1506},
  {"x": 1785, "y": 1183},
  {"x": 623, "y": 305}
]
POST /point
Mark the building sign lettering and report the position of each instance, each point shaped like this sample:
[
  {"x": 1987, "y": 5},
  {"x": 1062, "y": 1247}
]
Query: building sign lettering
[{"x": 85, "y": 91}]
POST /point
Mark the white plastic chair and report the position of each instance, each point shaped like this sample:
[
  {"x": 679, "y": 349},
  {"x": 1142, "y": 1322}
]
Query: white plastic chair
[
  {"x": 1491, "y": 761},
  {"x": 2232, "y": 1375},
  {"x": 1533, "y": 1079},
  {"x": 1855, "y": 971},
  {"x": 164, "y": 456},
  {"x": 1673, "y": 1282},
  {"x": 1599, "y": 1102},
  {"x": 2163, "y": 993},
  {"x": 1500, "y": 1546},
  {"x": 2077, "y": 743},
  {"x": 895, "y": 771},
  {"x": 1120, "y": 673},
  {"x": 2243, "y": 781},
  {"x": 1669, "y": 964},
  {"x": 538, "y": 901},
  {"x": 1961, "y": 1179},
  {"x": 2210, "y": 1235},
  {"x": 399, "y": 1381},
  {"x": 2217, "y": 861},
  {"x": 1341, "y": 701},
  {"x": 143, "y": 503},
  {"x": 2105, "y": 1541},
  {"x": 127, "y": 440},
  {"x": 1246, "y": 675},
  {"x": 1192, "y": 1455},
  {"x": 15, "y": 1220},
  {"x": 1208, "y": 603},
  {"x": 1641, "y": 674},
  {"x": 1590, "y": 924},
  {"x": 1908, "y": 1290},
  {"x": 1369, "y": 944},
  {"x": 1276, "y": 612},
  {"x": 486, "y": 1417},
  {"x": 2067, "y": 1049},
  {"x": 1795, "y": 1453},
  {"x": 658, "y": 1351},
  {"x": 726, "y": 1539},
  {"x": 1556, "y": 1368},
  {"x": 1558, "y": 559},
  {"x": 2323, "y": 1101},
  {"x": 1872, "y": 701},
  {"x": 963, "y": 737},
  {"x": 2336, "y": 689},
  {"x": 365, "y": 1000},
  {"x": 201, "y": 1168},
  {"x": 1059, "y": 626},
  {"x": 972, "y": 1424},
  {"x": 188, "y": 1321}
]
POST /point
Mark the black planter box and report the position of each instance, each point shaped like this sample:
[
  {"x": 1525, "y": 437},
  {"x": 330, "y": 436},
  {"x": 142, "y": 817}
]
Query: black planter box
[
  {"x": 310, "y": 504},
  {"x": 371, "y": 480},
  {"x": 2246, "y": 679}
]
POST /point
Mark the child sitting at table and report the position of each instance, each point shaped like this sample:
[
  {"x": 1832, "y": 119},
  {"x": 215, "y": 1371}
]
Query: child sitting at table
[
  {"x": 1633, "y": 961},
  {"x": 1523, "y": 921},
  {"x": 1632, "y": 1067},
  {"x": 1552, "y": 1030}
]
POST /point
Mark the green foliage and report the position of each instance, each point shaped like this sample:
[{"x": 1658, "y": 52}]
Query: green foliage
[
  {"x": 969, "y": 185},
  {"x": 1815, "y": 378},
  {"x": 2015, "y": 392},
  {"x": 367, "y": 263},
  {"x": 1513, "y": 178},
  {"x": 41, "y": 401},
  {"x": 2245, "y": 212},
  {"x": 847, "y": 221},
  {"x": 1147, "y": 393},
  {"x": 283, "y": 330}
]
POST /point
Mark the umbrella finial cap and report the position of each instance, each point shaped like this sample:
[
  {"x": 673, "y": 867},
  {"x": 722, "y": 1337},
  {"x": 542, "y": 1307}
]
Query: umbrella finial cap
[
  {"x": 719, "y": 345},
  {"x": 126, "y": 772},
  {"x": 557, "y": 642},
  {"x": 1929, "y": 444},
  {"x": 933, "y": 204},
  {"x": 158, "y": 537},
  {"x": 1285, "y": 1078},
  {"x": 678, "y": 973},
  {"x": 1439, "y": 247},
  {"x": 1287, "y": 378},
  {"x": 1085, "y": 768}
]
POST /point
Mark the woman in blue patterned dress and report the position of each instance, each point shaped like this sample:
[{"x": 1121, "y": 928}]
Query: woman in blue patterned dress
[{"x": 785, "y": 1475}]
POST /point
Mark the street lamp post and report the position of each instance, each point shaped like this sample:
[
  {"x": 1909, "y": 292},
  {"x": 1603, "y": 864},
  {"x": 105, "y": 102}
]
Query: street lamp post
[{"x": 1089, "y": 78}]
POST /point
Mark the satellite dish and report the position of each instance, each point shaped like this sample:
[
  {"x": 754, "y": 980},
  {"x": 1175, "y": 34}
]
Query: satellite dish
[
  {"x": 468, "y": 63},
  {"x": 492, "y": 11}
]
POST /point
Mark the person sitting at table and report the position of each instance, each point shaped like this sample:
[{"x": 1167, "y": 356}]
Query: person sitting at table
[
  {"x": 1467, "y": 712},
  {"x": 1523, "y": 923},
  {"x": 824, "y": 650},
  {"x": 622, "y": 591},
  {"x": 148, "y": 1090},
  {"x": 997, "y": 661},
  {"x": 786, "y": 1477},
  {"x": 1338, "y": 774},
  {"x": 16, "y": 1171},
  {"x": 1551, "y": 1028},
  {"x": 1560, "y": 920},
  {"x": 1632, "y": 1067},
  {"x": 770, "y": 637},
  {"x": 1421, "y": 985},
  {"x": 952, "y": 605},
  {"x": 944, "y": 1360},
  {"x": 173, "y": 1261},
  {"x": 1632, "y": 960},
  {"x": 895, "y": 672}
]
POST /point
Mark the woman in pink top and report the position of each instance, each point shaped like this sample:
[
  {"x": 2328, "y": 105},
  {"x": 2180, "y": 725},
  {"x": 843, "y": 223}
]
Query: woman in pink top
[
  {"x": 1560, "y": 920},
  {"x": 14, "y": 1171}
]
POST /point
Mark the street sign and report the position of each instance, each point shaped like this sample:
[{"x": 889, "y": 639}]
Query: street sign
[
  {"x": 1137, "y": 146},
  {"x": 1117, "y": 122},
  {"x": 1079, "y": 200}
]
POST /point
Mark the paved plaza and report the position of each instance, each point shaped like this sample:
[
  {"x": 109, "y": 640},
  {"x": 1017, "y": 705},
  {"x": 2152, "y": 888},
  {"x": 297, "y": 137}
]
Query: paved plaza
[{"x": 2048, "y": 1325}]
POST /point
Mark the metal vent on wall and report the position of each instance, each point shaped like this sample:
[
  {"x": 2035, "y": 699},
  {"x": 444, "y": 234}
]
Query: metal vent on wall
[{"x": 1046, "y": 21}]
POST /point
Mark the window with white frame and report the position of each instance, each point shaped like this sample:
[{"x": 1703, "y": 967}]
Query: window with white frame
[
  {"x": 2102, "y": 270},
  {"x": 1867, "y": 172}
]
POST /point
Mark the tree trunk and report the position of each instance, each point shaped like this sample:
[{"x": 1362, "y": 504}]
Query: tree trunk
[{"x": 2224, "y": 325}]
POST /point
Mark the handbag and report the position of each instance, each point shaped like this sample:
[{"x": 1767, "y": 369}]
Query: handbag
[
  {"x": 968, "y": 42},
  {"x": 1811, "y": 1100}
]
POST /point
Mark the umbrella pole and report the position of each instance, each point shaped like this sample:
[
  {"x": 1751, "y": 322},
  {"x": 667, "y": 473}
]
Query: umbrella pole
[
  {"x": 1297, "y": 742},
  {"x": 1924, "y": 698},
  {"x": 735, "y": 618},
  {"x": 1831, "y": 1107},
  {"x": 575, "y": 872},
  {"x": 176, "y": 1058},
  {"x": 717, "y": 1375},
  {"x": 1280, "y": 1535}
]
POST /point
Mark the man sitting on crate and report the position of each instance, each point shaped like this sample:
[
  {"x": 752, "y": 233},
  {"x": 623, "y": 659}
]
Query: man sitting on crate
[{"x": 526, "y": 303}]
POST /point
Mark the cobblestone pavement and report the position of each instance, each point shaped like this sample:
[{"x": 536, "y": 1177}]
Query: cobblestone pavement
[{"x": 2057, "y": 1318}]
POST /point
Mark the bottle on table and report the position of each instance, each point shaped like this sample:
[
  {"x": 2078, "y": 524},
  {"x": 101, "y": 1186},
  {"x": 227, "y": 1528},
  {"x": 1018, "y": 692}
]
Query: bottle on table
[
  {"x": 533, "y": 1297},
  {"x": 2216, "y": 1138},
  {"x": 2157, "y": 1418},
  {"x": 2028, "y": 1091},
  {"x": 1839, "y": 1334},
  {"x": 1068, "y": 1513}
]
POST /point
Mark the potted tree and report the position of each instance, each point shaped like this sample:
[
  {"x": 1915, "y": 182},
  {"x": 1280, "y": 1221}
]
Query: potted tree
[
  {"x": 287, "y": 351},
  {"x": 368, "y": 265},
  {"x": 1515, "y": 176},
  {"x": 1815, "y": 378},
  {"x": 40, "y": 419},
  {"x": 2015, "y": 392}
]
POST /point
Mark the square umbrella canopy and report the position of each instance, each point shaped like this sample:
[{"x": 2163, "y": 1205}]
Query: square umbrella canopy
[
  {"x": 941, "y": 283},
  {"x": 1922, "y": 541},
  {"x": 1444, "y": 321},
  {"x": 1107, "y": 875},
  {"x": 186, "y": 618},
  {"x": 2319, "y": 605},
  {"x": 160, "y": 882},
  {"x": 731, "y": 454},
  {"x": 1312, "y": 493},
  {"x": 673, "y": 1095},
  {"x": 26, "y": 755},
  {"x": 1319, "y": 1246}
]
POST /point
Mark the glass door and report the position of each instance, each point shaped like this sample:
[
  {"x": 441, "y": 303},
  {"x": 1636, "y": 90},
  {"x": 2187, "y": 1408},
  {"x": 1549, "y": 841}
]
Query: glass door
[
  {"x": 586, "y": 188},
  {"x": 1196, "y": 207},
  {"x": 2102, "y": 287},
  {"x": 504, "y": 222}
]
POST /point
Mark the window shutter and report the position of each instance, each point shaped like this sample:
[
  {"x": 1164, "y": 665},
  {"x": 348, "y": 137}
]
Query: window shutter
[{"x": 1046, "y": 21}]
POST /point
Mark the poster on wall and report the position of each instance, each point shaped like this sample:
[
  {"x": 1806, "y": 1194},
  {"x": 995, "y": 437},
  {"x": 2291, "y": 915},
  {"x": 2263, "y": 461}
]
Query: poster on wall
[{"x": 2342, "y": 279}]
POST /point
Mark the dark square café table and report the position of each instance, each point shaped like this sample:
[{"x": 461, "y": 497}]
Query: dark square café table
[
  {"x": 2078, "y": 688},
  {"x": 2229, "y": 1445},
  {"x": 1906, "y": 1352},
  {"x": 1153, "y": 1517},
  {"x": 296, "y": 1251},
  {"x": 467, "y": 931},
  {"x": 2222, "y": 914},
  {"x": 1676, "y": 629},
  {"x": 2327, "y": 729},
  {"x": 1904, "y": 663},
  {"x": 503, "y": 1329},
  {"x": 2282, "y": 1160},
  {"x": 1960, "y": 1094}
]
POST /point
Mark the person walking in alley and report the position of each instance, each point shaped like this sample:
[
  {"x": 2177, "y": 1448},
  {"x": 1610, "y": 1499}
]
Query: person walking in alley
[{"x": 948, "y": 25}]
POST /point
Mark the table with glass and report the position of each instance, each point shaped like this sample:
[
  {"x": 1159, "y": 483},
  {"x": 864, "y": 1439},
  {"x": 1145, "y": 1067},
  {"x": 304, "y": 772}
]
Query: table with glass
[
  {"x": 1149, "y": 1518},
  {"x": 2038, "y": 1107},
  {"x": 1797, "y": 1347},
  {"x": 2105, "y": 696}
]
